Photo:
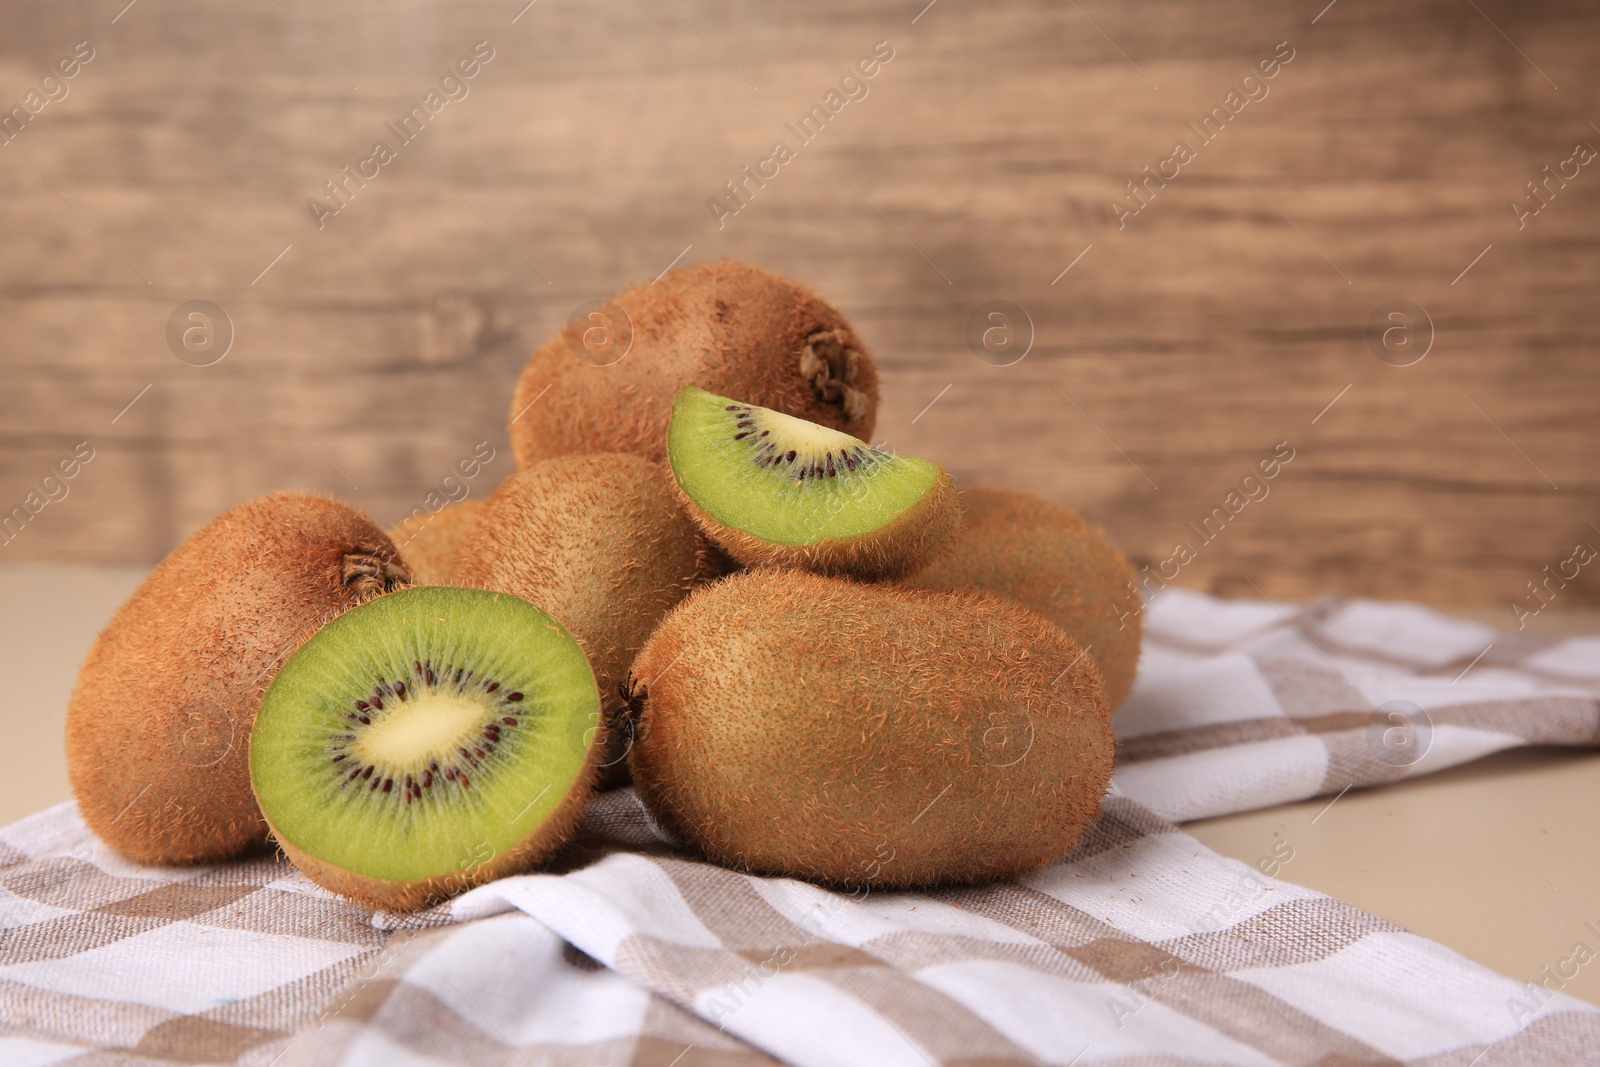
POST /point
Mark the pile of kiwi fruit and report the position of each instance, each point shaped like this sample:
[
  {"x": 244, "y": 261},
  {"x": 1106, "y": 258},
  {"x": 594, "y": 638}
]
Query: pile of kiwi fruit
[{"x": 811, "y": 656}]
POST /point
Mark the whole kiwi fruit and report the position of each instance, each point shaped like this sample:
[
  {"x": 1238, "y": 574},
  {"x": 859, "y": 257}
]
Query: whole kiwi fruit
[
  {"x": 728, "y": 327},
  {"x": 867, "y": 734},
  {"x": 159, "y": 724},
  {"x": 1047, "y": 558},
  {"x": 428, "y": 544},
  {"x": 601, "y": 544}
]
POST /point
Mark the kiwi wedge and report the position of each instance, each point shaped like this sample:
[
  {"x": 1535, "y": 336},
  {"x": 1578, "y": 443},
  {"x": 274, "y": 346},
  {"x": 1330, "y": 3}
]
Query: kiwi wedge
[
  {"x": 428, "y": 741},
  {"x": 770, "y": 488}
]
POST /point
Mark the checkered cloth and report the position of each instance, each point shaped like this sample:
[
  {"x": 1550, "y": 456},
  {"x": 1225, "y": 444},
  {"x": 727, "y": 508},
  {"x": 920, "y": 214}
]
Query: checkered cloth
[
  {"x": 1243, "y": 705},
  {"x": 1143, "y": 946}
]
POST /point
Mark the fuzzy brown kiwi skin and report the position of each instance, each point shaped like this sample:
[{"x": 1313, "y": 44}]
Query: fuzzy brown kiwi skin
[
  {"x": 1045, "y": 557},
  {"x": 429, "y": 546},
  {"x": 922, "y": 534},
  {"x": 159, "y": 723},
  {"x": 732, "y": 328},
  {"x": 409, "y": 896},
  {"x": 814, "y": 751},
  {"x": 600, "y": 543}
]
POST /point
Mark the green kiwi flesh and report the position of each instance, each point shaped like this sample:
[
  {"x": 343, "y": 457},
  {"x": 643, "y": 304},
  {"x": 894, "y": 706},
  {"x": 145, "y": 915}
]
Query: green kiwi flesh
[
  {"x": 774, "y": 489},
  {"x": 426, "y": 741}
]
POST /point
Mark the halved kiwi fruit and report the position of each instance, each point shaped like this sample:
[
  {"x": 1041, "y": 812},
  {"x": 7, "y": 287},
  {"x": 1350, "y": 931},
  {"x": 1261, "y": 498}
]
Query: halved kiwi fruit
[
  {"x": 773, "y": 489},
  {"x": 426, "y": 742}
]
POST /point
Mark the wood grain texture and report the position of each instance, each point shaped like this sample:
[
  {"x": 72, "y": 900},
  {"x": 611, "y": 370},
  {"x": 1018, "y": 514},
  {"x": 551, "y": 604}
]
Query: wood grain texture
[{"x": 1176, "y": 353}]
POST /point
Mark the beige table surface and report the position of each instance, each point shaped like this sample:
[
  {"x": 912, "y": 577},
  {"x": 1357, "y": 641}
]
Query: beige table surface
[{"x": 1498, "y": 859}]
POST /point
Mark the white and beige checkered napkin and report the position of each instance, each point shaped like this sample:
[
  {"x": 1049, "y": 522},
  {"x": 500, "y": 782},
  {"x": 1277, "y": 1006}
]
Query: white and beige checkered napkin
[
  {"x": 1144, "y": 946},
  {"x": 1242, "y": 705}
]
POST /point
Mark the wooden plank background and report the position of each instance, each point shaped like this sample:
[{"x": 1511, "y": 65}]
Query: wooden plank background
[{"x": 1177, "y": 351}]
